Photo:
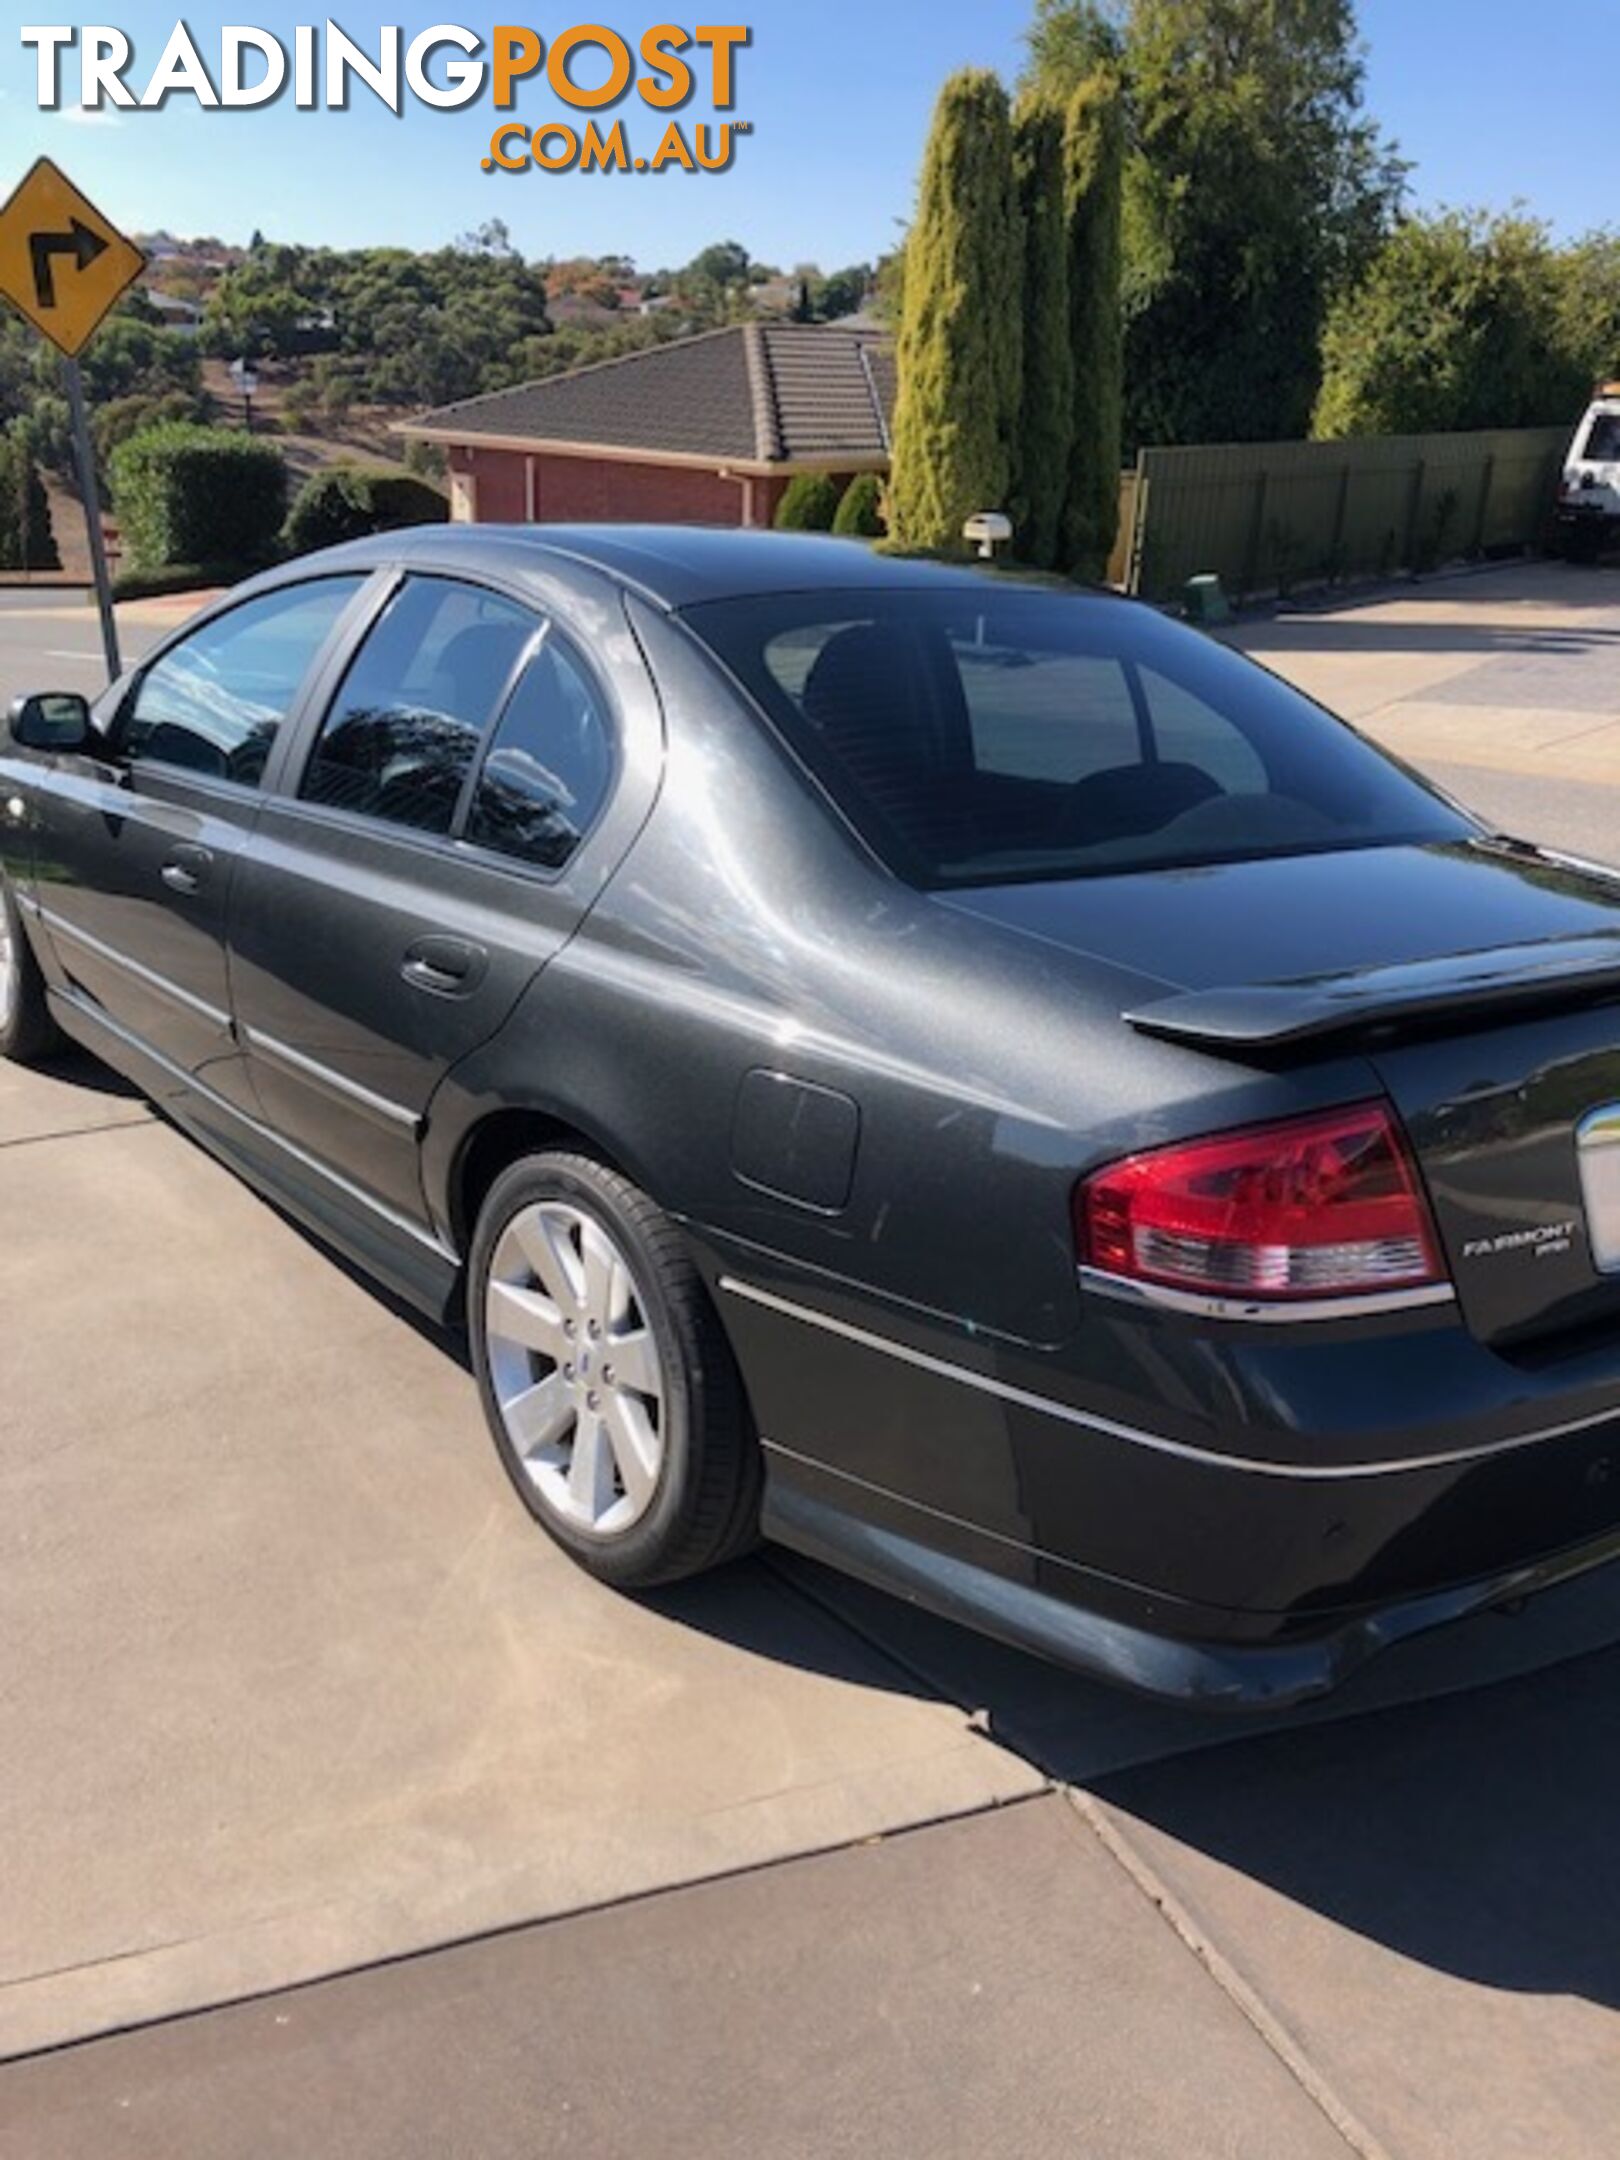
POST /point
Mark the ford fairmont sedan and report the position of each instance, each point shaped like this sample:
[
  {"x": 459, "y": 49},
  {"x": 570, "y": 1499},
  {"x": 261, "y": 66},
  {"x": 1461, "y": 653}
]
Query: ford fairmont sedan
[{"x": 975, "y": 1082}]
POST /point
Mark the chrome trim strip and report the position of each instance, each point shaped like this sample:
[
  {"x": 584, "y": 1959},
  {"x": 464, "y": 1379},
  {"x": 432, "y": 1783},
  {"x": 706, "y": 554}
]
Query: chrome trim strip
[
  {"x": 1374, "y": 1305},
  {"x": 1133, "y": 1436},
  {"x": 87, "y": 1010},
  {"x": 308, "y": 1068},
  {"x": 149, "y": 976}
]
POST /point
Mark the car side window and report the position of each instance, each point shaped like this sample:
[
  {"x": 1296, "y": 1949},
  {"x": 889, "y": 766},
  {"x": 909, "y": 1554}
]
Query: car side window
[
  {"x": 404, "y": 730},
  {"x": 1190, "y": 733},
  {"x": 214, "y": 703},
  {"x": 549, "y": 767}
]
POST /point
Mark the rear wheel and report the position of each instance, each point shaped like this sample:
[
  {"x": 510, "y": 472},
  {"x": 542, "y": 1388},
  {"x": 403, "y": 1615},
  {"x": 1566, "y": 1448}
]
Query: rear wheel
[
  {"x": 608, "y": 1384},
  {"x": 27, "y": 1031}
]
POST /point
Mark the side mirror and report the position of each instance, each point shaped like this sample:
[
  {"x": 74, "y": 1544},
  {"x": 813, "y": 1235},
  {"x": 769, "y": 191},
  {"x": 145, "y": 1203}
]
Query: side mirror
[{"x": 51, "y": 720}]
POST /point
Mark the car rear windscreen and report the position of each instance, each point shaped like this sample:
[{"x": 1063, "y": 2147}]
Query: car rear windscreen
[
  {"x": 1603, "y": 440},
  {"x": 981, "y": 740}
]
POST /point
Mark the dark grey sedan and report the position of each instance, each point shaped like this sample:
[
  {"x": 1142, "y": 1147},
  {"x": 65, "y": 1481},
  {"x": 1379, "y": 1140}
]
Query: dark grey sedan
[{"x": 976, "y": 1082}]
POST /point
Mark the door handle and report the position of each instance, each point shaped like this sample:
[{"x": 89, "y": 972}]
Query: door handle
[
  {"x": 448, "y": 967},
  {"x": 183, "y": 872}
]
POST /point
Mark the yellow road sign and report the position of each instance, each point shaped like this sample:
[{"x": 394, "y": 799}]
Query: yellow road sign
[{"x": 61, "y": 261}]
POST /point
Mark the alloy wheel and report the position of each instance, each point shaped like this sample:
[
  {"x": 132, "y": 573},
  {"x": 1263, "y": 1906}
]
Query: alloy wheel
[{"x": 575, "y": 1370}]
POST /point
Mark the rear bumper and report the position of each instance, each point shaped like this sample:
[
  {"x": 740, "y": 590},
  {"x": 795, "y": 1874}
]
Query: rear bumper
[
  {"x": 1040, "y": 1605},
  {"x": 1230, "y": 1515}
]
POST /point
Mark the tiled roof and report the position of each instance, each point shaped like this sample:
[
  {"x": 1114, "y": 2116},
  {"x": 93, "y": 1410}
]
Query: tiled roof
[{"x": 759, "y": 393}]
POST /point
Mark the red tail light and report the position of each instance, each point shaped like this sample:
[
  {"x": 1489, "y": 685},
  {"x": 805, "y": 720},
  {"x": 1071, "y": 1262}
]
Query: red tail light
[{"x": 1325, "y": 1206}]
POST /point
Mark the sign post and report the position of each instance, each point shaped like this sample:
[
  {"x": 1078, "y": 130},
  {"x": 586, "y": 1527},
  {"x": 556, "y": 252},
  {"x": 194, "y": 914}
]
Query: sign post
[{"x": 65, "y": 267}]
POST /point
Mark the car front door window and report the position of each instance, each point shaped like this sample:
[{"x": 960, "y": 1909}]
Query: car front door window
[{"x": 214, "y": 703}]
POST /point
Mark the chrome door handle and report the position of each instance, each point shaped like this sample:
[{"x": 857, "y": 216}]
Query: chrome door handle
[
  {"x": 448, "y": 967},
  {"x": 183, "y": 872}
]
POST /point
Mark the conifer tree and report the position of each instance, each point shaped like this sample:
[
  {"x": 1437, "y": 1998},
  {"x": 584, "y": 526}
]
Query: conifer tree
[
  {"x": 1093, "y": 159},
  {"x": 961, "y": 329},
  {"x": 1046, "y": 429}
]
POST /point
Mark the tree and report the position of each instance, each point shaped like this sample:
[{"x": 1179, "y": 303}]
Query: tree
[
  {"x": 1093, "y": 166},
  {"x": 1256, "y": 191},
  {"x": 1046, "y": 427},
  {"x": 841, "y": 292},
  {"x": 1068, "y": 42},
  {"x": 1463, "y": 321},
  {"x": 961, "y": 327},
  {"x": 27, "y": 540}
]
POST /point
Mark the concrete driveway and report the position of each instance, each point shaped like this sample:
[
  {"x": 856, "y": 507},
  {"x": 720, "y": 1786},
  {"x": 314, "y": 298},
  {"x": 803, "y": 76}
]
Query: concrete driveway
[{"x": 291, "y": 1689}]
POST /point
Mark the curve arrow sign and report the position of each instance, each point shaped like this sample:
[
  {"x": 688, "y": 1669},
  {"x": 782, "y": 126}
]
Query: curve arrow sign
[{"x": 78, "y": 241}]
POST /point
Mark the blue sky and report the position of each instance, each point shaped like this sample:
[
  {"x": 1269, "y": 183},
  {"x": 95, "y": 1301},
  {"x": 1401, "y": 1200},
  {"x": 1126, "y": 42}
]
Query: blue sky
[{"x": 1477, "y": 92}]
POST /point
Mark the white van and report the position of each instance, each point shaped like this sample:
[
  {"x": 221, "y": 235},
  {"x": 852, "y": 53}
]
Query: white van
[{"x": 1588, "y": 513}]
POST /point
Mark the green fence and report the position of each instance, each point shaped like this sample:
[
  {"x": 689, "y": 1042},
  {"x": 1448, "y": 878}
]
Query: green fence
[{"x": 1271, "y": 517}]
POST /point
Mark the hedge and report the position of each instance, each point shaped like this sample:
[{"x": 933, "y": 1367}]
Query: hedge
[
  {"x": 809, "y": 504},
  {"x": 186, "y": 494},
  {"x": 860, "y": 514},
  {"x": 27, "y": 541},
  {"x": 349, "y": 502}
]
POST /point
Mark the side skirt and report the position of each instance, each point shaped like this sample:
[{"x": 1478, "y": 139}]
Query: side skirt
[{"x": 410, "y": 1261}]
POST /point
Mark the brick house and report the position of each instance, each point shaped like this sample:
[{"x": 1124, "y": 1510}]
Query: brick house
[{"x": 706, "y": 430}]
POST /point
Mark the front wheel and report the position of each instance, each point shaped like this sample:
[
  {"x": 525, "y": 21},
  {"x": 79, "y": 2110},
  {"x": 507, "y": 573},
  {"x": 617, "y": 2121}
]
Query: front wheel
[
  {"x": 27, "y": 1031},
  {"x": 608, "y": 1384}
]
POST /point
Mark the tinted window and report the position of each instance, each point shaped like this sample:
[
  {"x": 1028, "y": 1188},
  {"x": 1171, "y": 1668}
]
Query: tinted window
[
  {"x": 1603, "y": 440},
  {"x": 404, "y": 730},
  {"x": 1030, "y": 734},
  {"x": 215, "y": 702},
  {"x": 548, "y": 769}
]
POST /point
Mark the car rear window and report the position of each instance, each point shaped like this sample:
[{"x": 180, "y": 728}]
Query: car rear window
[
  {"x": 1603, "y": 440},
  {"x": 979, "y": 740}
]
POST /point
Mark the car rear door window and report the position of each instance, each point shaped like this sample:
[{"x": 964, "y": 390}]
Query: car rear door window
[
  {"x": 404, "y": 730},
  {"x": 214, "y": 703},
  {"x": 548, "y": 769}
]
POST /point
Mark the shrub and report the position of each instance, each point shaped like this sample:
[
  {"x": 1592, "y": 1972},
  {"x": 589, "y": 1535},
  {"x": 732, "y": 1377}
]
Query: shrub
[
  {"x": 27, "y": 540},
  {"x": 198, "y": 495},
  {"x": 809, "y": 504},
  {"x": 176, "y": 578},
  {"x": 347, "y": 502},
  {"x": 961, "y": 327},
  {"x": 860, "y": 514}
]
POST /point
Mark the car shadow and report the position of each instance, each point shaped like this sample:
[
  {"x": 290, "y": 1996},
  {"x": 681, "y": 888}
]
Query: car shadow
[{"x": 1474, "y": 1835}]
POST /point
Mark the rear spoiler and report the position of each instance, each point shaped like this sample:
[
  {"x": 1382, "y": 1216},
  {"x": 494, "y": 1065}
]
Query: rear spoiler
[{"x": 1276, "y": 1015}]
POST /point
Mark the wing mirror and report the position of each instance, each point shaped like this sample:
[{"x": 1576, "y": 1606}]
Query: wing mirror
[{"x": 51, "y": 720}]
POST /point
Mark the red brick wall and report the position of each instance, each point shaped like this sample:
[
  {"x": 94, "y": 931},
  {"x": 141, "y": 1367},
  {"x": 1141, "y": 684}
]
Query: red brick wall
[{"x": 588, "y": 490}]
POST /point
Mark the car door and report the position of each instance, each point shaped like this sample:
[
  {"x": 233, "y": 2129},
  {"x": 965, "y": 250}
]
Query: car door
[
  {"x": 402, "y": 891},
  {"x": 134, "y": 845}
]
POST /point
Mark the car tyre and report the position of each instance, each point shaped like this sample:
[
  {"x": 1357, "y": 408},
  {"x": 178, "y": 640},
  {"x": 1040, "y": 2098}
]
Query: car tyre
[
  {"x": 27, "y": 1031},
  {"x": 608, "y": 1383}
]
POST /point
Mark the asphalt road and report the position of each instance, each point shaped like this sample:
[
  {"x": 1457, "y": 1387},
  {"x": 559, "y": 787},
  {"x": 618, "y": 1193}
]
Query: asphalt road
[{"x": 770, "y": 1866}]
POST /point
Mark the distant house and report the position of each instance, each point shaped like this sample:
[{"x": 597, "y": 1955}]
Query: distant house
[
  {"x": 177, "y": 313},
  {"x": 706, "y": 430}
]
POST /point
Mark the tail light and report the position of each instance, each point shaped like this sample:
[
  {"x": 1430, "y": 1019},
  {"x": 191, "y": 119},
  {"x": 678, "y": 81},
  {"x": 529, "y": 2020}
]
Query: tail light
[{"x": 1323, "y": 1206}]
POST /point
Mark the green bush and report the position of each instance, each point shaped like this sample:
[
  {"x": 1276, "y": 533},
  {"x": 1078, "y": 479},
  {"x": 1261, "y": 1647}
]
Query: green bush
[
  {"x": 347, "y": 502},
  {"x": 860, "y": 514},
  {"x": 177, "y": 578},
  {"x": 198, "y": 495},
  {"x": 27, "y": 541},
  {"x": 809, "y": 504}
]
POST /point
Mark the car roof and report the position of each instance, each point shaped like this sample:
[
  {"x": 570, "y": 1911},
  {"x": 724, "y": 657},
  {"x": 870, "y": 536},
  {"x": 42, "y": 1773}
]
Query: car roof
[{"x": 674, "y": 566}]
